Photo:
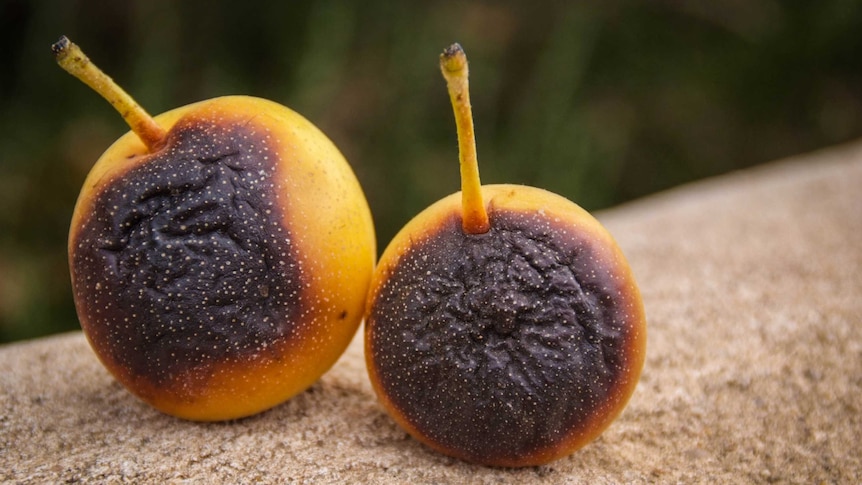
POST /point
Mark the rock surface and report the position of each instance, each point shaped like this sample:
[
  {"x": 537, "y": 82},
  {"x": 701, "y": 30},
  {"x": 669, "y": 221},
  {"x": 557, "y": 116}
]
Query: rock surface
[{"x": 752, "y": 284}]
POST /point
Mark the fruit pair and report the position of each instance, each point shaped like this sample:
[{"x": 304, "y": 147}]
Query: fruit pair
[{"x": 222, "y": 266}]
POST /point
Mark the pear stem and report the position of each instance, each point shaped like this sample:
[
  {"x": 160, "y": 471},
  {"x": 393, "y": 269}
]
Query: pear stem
[
  {"x": 71, "y": 58},
  {"x": 453, "y": 64}
]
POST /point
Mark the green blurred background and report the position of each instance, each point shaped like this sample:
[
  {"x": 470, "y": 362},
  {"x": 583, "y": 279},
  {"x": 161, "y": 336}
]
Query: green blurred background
[{"x": 601, "y": 101}]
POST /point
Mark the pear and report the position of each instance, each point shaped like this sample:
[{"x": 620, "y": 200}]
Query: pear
[
  {"x": 220, "y": 253},
  {"x": 504, "y": 326}
]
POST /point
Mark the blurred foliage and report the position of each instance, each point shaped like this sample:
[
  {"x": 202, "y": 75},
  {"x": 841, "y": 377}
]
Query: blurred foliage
[{"x": 601, "y": 101}]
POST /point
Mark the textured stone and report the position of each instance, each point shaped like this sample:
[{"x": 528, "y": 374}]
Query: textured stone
[{"x": 752, "y": 284}]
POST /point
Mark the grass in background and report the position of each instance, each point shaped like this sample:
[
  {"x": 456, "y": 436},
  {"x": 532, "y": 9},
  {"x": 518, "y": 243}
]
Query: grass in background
[{"x": 602, "y": 102}]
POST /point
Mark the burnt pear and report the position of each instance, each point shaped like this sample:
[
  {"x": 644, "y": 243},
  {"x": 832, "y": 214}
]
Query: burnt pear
[
  {"x": 504, "y": 325},
  {"x": 220, "y": 253}
]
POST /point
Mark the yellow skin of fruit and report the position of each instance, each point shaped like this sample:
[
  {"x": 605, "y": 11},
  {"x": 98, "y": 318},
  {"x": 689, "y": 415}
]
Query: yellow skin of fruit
[
  {"x": 523, "y": 199},
  {"x": 332, "y": 232}
]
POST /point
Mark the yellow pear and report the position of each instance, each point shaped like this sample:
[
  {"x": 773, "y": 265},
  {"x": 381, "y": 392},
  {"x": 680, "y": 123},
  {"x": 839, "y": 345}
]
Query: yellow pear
[
  {"x": 220, "y": 253},
  {"x": 504, "y": 325}
]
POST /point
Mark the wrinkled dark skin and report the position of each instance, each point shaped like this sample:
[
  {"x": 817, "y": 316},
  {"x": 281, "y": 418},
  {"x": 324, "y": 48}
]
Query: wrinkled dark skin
[
  {"x": 502, "y": 343},
  {"x": 184, "y": 260}
]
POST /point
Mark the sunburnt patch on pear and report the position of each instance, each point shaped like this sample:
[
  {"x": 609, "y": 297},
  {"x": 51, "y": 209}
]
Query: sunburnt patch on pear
[
  {"x": 188, "y": 253},
  {"x": 504, "y": 326},
  {"x": 220, "y": 252}
]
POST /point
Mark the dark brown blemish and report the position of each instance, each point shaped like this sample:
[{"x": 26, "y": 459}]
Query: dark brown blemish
[
  {"x": 500, "y": 344},
  {"x": 342, "y": 315},
  {"x": 184, "y": 262}
]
